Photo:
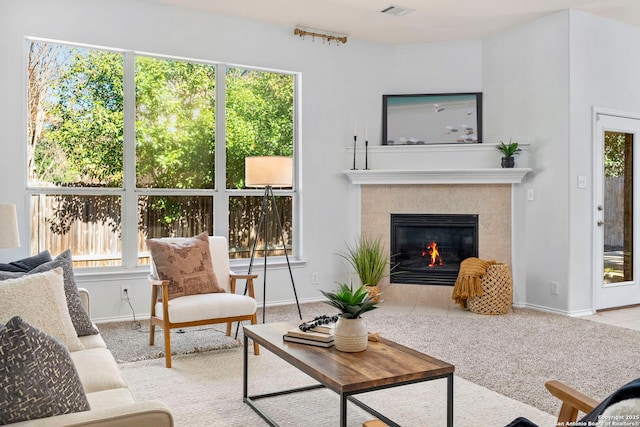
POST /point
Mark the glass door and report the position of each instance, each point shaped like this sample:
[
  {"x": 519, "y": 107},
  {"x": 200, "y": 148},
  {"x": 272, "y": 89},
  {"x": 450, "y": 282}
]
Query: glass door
[{"x": 615, "y": 233}]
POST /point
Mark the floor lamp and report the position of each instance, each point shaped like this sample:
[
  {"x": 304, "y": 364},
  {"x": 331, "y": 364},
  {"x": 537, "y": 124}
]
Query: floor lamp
[
  {"x": 9, "y": 227},
  {"x": 269, "y": 172}
]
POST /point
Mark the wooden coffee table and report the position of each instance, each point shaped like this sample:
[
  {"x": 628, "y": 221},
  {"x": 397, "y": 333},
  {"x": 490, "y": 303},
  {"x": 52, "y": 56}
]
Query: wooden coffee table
[{"x": 384, "y": 364}]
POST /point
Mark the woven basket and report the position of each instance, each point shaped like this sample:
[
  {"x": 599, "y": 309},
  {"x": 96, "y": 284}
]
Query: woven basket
[
  {"x": 498, "y": 292},
  {"x": 374, "y": 292}
]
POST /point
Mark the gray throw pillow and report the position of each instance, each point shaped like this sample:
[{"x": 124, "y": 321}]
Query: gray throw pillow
[
  {"x": 37, "y": 375},
  {"x": 81, "y": 321},
  {"x": 27, "y": 264}
]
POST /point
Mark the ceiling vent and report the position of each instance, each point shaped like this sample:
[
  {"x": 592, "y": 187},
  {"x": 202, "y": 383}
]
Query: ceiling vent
[{"x": 397, "y": 10}]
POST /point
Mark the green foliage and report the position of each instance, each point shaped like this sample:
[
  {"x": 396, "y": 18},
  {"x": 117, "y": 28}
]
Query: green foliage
[
  {"x": 81, "y": 115},
  {"x": 259, "y": 118},
  {"x": 85, "y": 127},
  {"x": 351, "y": 304},
  {"x": 508, "y": 150},
  {"x": 175, "y": 124},
  {"x": 369, "y": 260},
  {"x": 616, "y": 149}
]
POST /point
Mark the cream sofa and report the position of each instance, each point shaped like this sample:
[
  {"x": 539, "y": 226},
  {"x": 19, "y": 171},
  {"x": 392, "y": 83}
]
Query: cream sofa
[{"x": 111, "y": 401}]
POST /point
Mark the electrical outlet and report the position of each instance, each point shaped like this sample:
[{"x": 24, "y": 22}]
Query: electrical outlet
[
  {"x": 555, "y": 288},
  {"x": 315, "y": 278},
  {"x": 124, "y": 293}
]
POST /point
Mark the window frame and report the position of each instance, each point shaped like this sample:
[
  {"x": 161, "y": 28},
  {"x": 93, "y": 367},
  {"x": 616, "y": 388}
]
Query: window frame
[{"x": 129, "y": 192}]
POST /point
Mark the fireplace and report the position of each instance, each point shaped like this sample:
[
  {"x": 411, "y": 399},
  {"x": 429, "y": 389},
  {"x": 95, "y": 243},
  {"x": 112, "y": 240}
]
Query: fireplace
[{"x": 428, "y": 248}]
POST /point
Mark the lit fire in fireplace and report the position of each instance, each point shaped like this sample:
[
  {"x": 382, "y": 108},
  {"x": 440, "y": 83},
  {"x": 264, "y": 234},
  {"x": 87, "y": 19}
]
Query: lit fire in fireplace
[{"x": 431, "y": 252}]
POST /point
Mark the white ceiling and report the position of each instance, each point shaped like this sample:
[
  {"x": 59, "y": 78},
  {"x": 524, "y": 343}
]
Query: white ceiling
[{"x": 432, "y": 20}]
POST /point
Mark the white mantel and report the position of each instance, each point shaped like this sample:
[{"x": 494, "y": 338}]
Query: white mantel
[
  {"x": 438, "y": 176},
  {"x": 433, "y": 164}
]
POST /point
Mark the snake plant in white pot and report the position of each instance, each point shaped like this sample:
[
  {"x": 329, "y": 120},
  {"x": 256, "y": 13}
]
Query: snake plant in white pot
[{"x": 350, "y": 333}]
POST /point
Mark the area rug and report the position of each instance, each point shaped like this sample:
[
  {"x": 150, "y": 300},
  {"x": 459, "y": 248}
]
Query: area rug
[
  {"x": 205, "y": 389},
  {"x": 513, "y": 354},
  {"x": 129, "y": 341}
]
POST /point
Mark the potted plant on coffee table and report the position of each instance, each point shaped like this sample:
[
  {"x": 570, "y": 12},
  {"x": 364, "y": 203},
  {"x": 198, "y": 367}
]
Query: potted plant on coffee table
[
  {"x": 508, "y": 151},
  {"x": 350, "y": 333},
  {"x": 370, "y": 261}
]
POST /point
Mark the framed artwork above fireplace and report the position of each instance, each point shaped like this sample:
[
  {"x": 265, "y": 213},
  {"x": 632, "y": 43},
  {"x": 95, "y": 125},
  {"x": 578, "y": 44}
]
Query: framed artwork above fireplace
[{"x": 420, "y": 119}]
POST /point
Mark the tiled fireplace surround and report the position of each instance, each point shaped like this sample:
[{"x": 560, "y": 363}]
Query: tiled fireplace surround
[
  {"x": 491, "y": 202},
  {"x": 439, "y": 179}
]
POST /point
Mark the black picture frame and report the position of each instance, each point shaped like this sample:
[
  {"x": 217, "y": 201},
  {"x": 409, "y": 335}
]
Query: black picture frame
[{"x": 438, "y": 118}]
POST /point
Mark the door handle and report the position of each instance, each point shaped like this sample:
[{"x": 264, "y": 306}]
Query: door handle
[{"x": 600, "y": 223}]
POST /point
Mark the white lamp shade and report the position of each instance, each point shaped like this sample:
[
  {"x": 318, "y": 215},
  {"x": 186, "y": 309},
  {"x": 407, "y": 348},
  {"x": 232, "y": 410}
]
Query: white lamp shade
[
  {"x": 9, "y": 227},
  {"x": 261, "y": 171}
]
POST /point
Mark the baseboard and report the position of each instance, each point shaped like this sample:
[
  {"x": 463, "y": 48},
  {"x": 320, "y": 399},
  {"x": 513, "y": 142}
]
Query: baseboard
[
  {"x": 581, "y": 313},
  {"x": 577, "y": 313},
  {"x": 125, "y": 318},
  {"x": 145, "y": 316},
  {"x": 293, "y": 301}
]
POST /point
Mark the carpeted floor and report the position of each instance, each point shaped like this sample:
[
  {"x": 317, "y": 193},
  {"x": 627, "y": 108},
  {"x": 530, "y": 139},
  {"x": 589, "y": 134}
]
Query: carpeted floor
[
  {"x": 512, "y": 354},
  {"x": 205, "y": 390}
]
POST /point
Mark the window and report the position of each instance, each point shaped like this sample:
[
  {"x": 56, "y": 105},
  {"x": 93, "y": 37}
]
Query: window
[
  {"x": 259, "y": 122},
  {"x": 122, "y": 147}
]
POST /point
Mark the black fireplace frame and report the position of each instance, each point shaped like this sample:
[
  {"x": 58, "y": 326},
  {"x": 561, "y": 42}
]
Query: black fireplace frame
[{"x": 442, "y": 277}]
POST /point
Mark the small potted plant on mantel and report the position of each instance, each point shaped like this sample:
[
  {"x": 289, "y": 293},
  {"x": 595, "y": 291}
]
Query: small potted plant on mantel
[
  {"x": 508, "y": 151},
  {"x": 350, "y": 333}
]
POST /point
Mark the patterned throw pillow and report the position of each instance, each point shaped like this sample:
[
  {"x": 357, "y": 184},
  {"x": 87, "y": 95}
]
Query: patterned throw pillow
[
  {"x": 37, "y": 375},
  {"x": 186, "y": 264},
  {"x": 27, "y": 264},
  {"x": 79, "y": 317}
]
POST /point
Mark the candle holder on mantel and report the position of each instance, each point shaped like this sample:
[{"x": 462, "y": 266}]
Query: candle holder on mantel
[
  {"x": 355, "y": 138},
  {"x": 366, "y": 155}
]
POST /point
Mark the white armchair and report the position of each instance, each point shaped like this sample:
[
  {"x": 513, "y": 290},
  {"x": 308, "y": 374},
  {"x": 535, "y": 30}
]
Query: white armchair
[{"x": 202, "y": 309}]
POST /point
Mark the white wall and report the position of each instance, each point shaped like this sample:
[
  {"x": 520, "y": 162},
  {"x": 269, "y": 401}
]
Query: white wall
[
  {"x": 541, "y": 81},
  {"x": 439, "y": 67},
  {"x": 604, "y": 74},
  {"x": 526, "y": 97},
  {"x": 339, "y": 84}
]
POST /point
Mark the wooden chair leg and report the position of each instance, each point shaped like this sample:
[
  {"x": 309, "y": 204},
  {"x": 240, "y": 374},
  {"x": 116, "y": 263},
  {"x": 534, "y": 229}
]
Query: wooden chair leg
[
  {"x": 568, "y": 413},
  {"x": 167, "y": 347},
  {"x": 256, "y": 347},
  {"x": 152, "y": 326},
  {"x": 229, "y": 329},
  {"x": 152, "y": 332},
  {"x": 572, "y": 402}
]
